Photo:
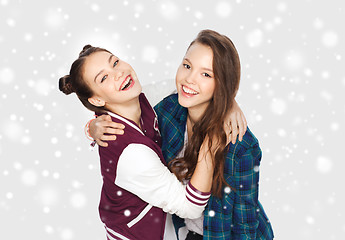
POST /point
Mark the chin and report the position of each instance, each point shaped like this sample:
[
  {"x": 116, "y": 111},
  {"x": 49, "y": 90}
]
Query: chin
[{"x": 183, "y": 101}]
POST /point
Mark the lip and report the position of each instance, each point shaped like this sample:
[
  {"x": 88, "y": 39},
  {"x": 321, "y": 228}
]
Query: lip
[
  {"x": 188, "y": 95},
  {"x": 124, "y": 81}
]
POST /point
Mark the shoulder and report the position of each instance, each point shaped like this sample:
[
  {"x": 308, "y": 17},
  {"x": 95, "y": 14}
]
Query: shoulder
[
  {"x": 247, "y": 148},
  {"x": 170, "y": 111},
  {"x": 167, "y": 103},
  {"x": 249, "y": 140}
]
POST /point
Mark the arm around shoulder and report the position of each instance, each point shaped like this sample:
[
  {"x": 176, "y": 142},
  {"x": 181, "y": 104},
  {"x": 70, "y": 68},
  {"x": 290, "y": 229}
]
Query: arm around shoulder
[{"x": 141, "y": 172}]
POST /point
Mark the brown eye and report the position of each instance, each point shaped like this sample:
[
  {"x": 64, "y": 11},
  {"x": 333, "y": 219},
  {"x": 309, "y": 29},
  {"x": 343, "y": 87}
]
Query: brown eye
[
  {"x": 103, "y": 78},
  {"x": 186, "y": 66},
  {"x": 207, "y": 75},
  {"x": 115, "y": 63}
]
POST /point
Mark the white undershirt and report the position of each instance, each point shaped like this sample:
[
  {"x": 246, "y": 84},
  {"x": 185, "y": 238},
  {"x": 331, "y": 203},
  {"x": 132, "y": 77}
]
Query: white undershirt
[{"x": 195, "y": 225}]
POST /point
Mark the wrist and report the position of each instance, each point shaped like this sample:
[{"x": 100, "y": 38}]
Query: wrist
[{"x": 87, "y": 130}]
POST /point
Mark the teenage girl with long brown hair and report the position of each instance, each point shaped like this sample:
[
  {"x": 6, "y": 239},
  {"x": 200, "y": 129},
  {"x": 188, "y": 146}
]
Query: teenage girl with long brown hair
[{"x": 207, "y": 82}]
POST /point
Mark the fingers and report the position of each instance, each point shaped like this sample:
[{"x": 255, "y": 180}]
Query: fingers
[
  {"x": 108, "y": 138},
  {"x": 101, "y": 143},
  {"x": 240, "y": 127},
  {"x": 114, "y": 125},
  {"x": 114, "y": 131},
  {"x": 244, "y": 121},
  {"x": 234, "y": 132}
]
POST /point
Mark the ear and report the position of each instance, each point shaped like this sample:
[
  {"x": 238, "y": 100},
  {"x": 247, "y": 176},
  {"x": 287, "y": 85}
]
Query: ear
[{"x": 96, "y": 102}]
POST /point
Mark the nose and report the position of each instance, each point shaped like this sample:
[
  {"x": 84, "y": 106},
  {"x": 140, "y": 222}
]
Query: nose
[
  {"x": 117, "y": 74},
  {"x": 190, "y": 78}
]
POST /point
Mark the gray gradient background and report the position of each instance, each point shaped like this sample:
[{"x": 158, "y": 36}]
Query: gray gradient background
[{"x": 292, "y": 93}]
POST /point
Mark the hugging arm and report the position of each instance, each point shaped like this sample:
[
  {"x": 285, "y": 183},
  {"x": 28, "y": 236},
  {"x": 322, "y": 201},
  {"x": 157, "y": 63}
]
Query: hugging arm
[
  {"x": 141, "y": 172},
  {"x": 104, "y": 129}
]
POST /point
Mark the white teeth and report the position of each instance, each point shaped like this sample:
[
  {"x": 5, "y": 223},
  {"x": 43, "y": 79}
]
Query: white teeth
[
  {"x": 189, "y": 91},
  {"x": 125, "y": 83}
]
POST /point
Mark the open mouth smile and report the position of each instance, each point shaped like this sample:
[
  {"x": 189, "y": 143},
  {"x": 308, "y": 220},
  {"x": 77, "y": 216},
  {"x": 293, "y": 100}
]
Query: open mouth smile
[
  {"x": 127, "y": 83},
  {"x": 189, "y": 91}
]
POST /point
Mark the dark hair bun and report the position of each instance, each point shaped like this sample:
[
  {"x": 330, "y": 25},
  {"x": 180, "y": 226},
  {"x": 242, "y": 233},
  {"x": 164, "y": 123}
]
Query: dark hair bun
[
  {"x": 85, "y": 48},
  {"x": 65, "y": 85}
]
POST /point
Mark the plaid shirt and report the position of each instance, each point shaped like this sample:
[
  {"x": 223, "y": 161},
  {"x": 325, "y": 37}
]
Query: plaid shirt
[{"x": 238, "y": 214}]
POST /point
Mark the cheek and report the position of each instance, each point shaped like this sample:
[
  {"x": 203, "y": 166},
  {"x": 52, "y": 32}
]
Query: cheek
[
  {"x": 178, "y": 75},
  {"x": 211, "y": 86}
]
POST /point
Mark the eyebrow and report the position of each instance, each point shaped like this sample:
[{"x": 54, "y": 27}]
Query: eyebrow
[
  {"x": 109, "y": 60},
  {"x": 207, "y": 69}
]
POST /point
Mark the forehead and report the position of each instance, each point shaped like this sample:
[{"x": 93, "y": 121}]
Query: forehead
[
  {"x": 95, "y": 61},
  {"x": 98, "y": 57},
  {"x": 200, "y": 53}
]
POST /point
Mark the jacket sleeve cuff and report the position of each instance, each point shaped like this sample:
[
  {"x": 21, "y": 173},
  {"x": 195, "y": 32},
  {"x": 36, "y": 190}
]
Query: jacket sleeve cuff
[{"x": 195, "y": 196}]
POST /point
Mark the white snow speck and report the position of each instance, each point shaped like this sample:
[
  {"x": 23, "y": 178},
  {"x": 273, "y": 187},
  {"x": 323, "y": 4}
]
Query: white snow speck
[
  {"x": 255, "y": 38},
  {"x": 43, "y": 87},
  {"x": 318, "y": 23},
  {"x": 310, "y": 220},
  {"x": 324, "y": 164},
  {"x": 95, "y": 7},
  {"x": 308, "y": 72},
  {"x": 6, "y": 75},
  {"x": 334, "y": 126},
  {"x": 11, "y": 22},
  {"x": 281, "y": 7},
  {"x": 198, "y": 15},
  {"x": 66, "y": 234},
  {"x": 330, "y": 39},
  {"x": 326, "y": 95},
  {"x": 45, "y": 173},
  {"x": 150, "y": 54},
  {"x": 17, "y": 166},
  {"x": 256, "y": 168},
  {"x": 4, "y": 2},
  {"x": 169, "y": 10},
  {"x": 227, "y": 190},
  {"x": 119, "y": 193},
  {"x": 53, "y": 18},
  {"x": 28, "y": 37},
  {"x": 54, "y": 140},
  {"x": 223, "y": 9},
  {"x": 48, "y": 196},
  {"x": 29, "y": 177},
  {"x": 127, "y": 213},
  {"x": 211, "y": 213},
  {"x": 57, "y": 154},
  {"x": 13, "y": 130},
  {"x": 49, "y": 229},
  {"x": 46, "y": 209},
  {"x": 281, "y": 132},
  {"x": 78, "y": 200},
  {"x": 9, "y": 195},
  {"x": 278, "y": 106},
  {"x": 294, "y": 60}
]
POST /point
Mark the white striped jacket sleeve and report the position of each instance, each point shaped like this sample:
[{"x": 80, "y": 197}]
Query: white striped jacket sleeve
[{"x": 141, "y": 172}]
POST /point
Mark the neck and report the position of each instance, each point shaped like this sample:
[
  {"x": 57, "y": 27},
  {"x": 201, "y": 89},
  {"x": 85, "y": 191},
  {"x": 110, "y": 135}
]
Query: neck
[
  {"x": 130, "y": 110},
  {"x": 194, "y": 115}
]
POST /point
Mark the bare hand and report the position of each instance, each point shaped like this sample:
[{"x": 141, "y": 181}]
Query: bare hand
[
  {"x": 104, "y": 125},
  {"x": 235, "y": 123}
]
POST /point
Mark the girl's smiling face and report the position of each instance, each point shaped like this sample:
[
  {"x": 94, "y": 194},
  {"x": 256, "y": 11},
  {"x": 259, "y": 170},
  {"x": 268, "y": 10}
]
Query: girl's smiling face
[
  {"x": 195, "y": 80},
  {"x": 112, "y": 80}
]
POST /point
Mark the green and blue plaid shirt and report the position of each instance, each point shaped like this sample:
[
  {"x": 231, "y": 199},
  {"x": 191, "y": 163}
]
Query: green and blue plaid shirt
[{"x": 238, "y": 214}]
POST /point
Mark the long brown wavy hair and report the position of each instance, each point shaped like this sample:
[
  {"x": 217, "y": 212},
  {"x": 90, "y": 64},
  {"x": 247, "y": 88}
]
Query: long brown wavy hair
[{"x": 227, "y": 71}]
